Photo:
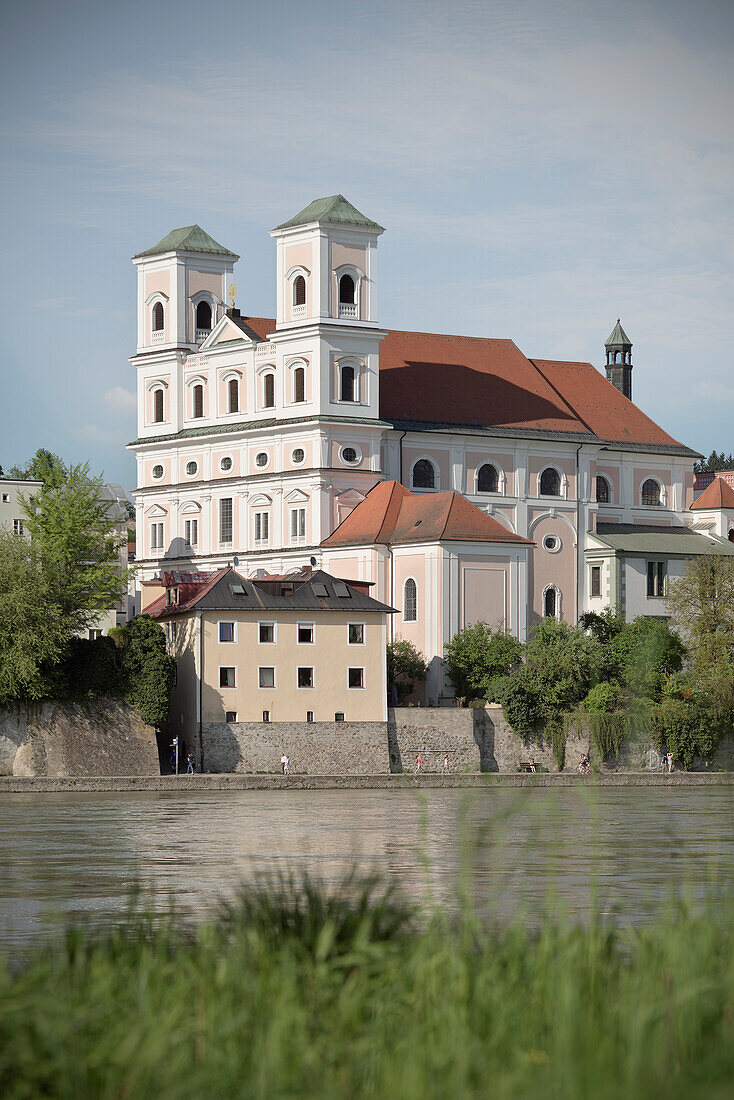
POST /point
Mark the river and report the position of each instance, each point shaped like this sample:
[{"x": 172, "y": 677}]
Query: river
[{"x": 627, "y": 850}]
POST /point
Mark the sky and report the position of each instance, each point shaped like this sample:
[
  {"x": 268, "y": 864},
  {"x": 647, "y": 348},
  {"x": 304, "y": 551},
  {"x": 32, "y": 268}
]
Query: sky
[{"x": 541, "y": 166}]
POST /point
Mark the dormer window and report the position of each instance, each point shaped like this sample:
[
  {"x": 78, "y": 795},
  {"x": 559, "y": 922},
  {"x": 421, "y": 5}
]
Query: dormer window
[
  {"x": 347, "y": 303},
  {"x": 299, "y": 291},
  {"x": 346, "y": 384},
  {"x": 203, "y": 321},
  {"x": 158, "y": 321}
]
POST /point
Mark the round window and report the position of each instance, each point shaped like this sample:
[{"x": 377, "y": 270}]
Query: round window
[
  {"x": 552, "y": 543},
  {"x": 298, "y": 455},
  {"x": 349, "y": 454},
  {"x": 191, "y": 468},
  {"x": 157, "y": 472},
  {"x": 261, "y": 459},
  {"x": 225, "y": 464}
]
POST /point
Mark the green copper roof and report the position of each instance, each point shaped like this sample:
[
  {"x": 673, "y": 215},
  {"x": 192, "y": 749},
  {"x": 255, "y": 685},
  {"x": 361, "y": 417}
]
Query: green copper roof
[
  {"x": 648, "y": 539},
  {"x": 617, "y": 336},
  {"x": 335, "y": 210},
  {"x": 191, "y": 238}
]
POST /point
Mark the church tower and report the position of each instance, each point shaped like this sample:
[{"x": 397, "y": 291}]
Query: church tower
[{"x": 619, "y": 360}]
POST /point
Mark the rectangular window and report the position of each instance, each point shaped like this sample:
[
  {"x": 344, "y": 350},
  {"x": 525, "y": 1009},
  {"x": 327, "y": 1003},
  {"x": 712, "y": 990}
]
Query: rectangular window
[
  {"x": 230, "y": 716},
  {"x": 226, "y": 632},
  {"x": 18, "y": 528},
  {"x": 225, "y": 519},
  {"x": 596, "y": 580},
  {"x": 356, "y": 677},
  {"x": 262, "y": 527},
  {"x": 266, "y": 677},
  {"x": 656, "y": 578},
  {"x": 356, "y": 633},
  {"x": 266, "y": 716},
  {"x": 191, "y": 531},
  {"x": 309, "y": 716},
  {"x": 94, "y": 634},
  {"x": 305, "y": 633},
  {"x": 298, "y": 524},
  {"x": 339, "y": 716},
  {"x": 6, "y": 498},
  {"x": 173, "y": 631},
  {"x": 156, "y": 536},
  {"x": 227, "y": 677},
  {"x": 305, "y": 677},
  {"x": 266, "y": 633}
]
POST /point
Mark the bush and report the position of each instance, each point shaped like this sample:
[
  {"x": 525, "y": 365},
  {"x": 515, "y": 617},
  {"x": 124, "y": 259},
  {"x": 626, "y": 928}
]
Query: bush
[
  {"x": 405, "y": 665},
  {"x": 149, "y": 671},
  {"x": 475, "y": 656},
  {"x": 602, "y": 698},
  {"x": 686, "y": 728}
]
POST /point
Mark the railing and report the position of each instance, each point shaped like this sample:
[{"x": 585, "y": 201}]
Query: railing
[
  {"x": 202, "y": 334},
  {"x": 348, "y": 309},
  {"x": 264, "y": 351},
  {"x": 298, "y": 311},
  {"x": 158, "y": 336}
]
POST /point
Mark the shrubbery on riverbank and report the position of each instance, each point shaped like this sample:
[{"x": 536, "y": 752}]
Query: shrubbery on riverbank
[{"x": 288, "y": 992}]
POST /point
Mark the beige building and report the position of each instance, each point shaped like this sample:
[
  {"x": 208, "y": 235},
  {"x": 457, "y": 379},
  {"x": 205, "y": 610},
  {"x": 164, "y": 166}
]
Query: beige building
[
  {"x": 12, "y": 516},
  {"x": 304, "y": 648}
]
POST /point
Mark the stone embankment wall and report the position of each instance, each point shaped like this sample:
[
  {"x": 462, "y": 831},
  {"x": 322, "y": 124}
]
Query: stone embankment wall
[
  {"x": 101, "y": 738},
  {"x": 474, "y": 739},
  {"x": 314, "y": 748}
]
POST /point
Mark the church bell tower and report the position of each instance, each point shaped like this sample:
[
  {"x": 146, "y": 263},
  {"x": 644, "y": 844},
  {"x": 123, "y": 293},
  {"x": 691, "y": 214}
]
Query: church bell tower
[{"x": 619, "y": 360}]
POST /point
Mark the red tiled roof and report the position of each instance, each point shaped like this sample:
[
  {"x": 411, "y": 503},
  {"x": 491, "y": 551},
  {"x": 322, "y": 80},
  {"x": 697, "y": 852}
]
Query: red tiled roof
[
  {"x": 189, "y": 593},
  {"x": 719, "y": 494},
  {"x": 468, "y": 380},
  {"x": 390, "y": 513}
]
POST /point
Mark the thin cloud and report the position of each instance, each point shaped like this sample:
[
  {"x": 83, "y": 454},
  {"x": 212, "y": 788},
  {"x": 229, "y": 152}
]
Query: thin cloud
[{"x": 122, "y": 400}]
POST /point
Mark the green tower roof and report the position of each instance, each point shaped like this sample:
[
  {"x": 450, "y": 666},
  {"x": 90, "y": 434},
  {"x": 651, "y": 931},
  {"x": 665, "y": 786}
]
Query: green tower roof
[
  {"x": 617, "y": 336},
  {"x": 335, "y": 210},
  {"x": 191, "y": 238}
]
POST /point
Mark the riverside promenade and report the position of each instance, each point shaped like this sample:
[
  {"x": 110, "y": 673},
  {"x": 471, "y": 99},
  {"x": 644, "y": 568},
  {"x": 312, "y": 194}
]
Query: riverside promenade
[{"x": 405, "y": 780}]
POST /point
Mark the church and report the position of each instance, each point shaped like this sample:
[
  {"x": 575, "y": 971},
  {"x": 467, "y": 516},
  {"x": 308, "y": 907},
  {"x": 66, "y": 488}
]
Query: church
[{"x": 457, "y": 478}]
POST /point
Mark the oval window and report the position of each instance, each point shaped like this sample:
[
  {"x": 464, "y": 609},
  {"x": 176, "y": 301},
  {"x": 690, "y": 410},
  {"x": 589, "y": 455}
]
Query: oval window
[
  {"x": 191, "y": 468},
  {"x": 157, "y": 472},
  {"x": 225, "y": 464},
  {"x": 261, "y": 459},
  {"x": 298, "y": 455},
  {"x": 349, "y": 454},
  {"x": 552, "y": 543}
]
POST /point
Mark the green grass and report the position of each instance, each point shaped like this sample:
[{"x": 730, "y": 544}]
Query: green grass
[{"x": 290, "y": 991}]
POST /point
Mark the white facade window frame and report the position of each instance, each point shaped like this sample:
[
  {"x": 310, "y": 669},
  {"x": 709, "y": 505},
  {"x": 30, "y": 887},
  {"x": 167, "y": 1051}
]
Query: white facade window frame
[
  {"x": 154, "y": 475},
  {"x": 610, "y": 485},
  {"x": 260, "y": 375},
  {"x": 264, "y": 465},
  {"x": 355, "y": 313},
  {"x": 552, "y": 549},
  {"x": 213, "y": 302},
  {"x": 267, "y": 687},
  {"x": 350, "y": 446},
  {"x": 267, "y": 622},
  {"x": 312, "y": 685},
  {"x": 661, "y": 491},
  {"x": 360, "y": 380},
  {"x": 557, "y": 591},
  {"x": 227, "y": 377},
  {"x": 228, "y": 687},
  {"x": 196, "y": 380},
  {"x": 156, "y": 336},
  {"x": 312, "y": 627},
  {"x": 592, "y": 566},
  {"x": 415, "y": 584},
  {"x": 501, "y": 480},
  {"x": 262, "y": 510},
  {"x": 226, "y": 458},
  {"x": 297, "y": 312},
  {"x": 220, "y": 641},
  {"x": 151, "y": 387},
  {"x": 359, "y": 687},
  {"x": 364, "y": 634},
  {"x": 436, "y": 474},
  {"x": 292, "y": 366},
  {"x": 190, "y": 518},
  {"x": 156, "y": 528},
  {"x": 563, "y": 482},
  {"x": 187, "y": 463},
  {"x": 299, "y": 536},
  {"x": 298, "y": 447}
]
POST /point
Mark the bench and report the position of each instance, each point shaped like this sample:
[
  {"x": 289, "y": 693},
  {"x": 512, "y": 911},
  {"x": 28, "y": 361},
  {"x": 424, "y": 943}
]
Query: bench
[{"x": 527, "y": 766}]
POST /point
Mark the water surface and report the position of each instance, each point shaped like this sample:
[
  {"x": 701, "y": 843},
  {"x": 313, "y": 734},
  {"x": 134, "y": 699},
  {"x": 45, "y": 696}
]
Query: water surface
[{"x": 75, "y": 855}]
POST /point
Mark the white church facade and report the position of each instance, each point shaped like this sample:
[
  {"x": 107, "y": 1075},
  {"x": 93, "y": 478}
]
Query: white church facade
[{"x": 464, "y": 480}]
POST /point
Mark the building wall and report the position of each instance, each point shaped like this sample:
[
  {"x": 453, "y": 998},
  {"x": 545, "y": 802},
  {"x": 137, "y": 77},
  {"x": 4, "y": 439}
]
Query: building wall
[{"x": 319, "y": 748}]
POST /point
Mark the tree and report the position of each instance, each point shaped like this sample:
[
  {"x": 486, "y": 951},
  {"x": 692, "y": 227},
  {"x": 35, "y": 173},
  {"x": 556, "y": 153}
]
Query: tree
[
  {"x": 34, "y": 632},
  {"x": 148, "y": 670},
  {"x": 405, "y": 665},
  {"x": 475, "y": 656},
  {"x": 701, "y": 603},
  {"x": 714, "y": 462},
  {"x": 69, "y": 524},
  {"x": 645, "y": 652},
  {"x": 44, "y": 466}
]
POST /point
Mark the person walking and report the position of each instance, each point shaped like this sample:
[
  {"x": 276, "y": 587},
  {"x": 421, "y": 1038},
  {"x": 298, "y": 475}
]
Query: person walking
[
  {"x": 418, "y": 762},
  {"x": 284, "y": 764},
  {"x": 174, "y": 756},
  {"x": 669, "y": 761},
  {"x": 287, "y": 766},
  {"x": 190, "y": 769},
  {"x": 445, "y": 768}
]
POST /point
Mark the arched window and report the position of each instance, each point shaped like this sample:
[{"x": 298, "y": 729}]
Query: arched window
[
  {"x": 346, "y": 387},
  {"x": 233, "y": 395},
  {"x": 550, "y": 483},
  {"x": 158, "y": 317},
  {"x": 299, "y": 291},
  {"x": 424, "y": 474},
  {"x": 346, "y": 290},
  {"x": 158, "y": 406},
  {"x": 204, "y": 317},
  {"x": 299, "y": 384},
  {"x": 651, "y": 493},
  {"x": 269, "y": 391},
  {"x": 550, "y": 603},
  {"x": 602, "y": 490},
  {"x": 487, "y": 479},
  {"x": 731, "y": 535},
  {"x": 198, "y": 401},
  {"x": 410, "y": 601}
]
